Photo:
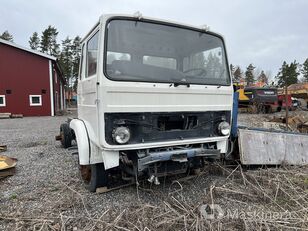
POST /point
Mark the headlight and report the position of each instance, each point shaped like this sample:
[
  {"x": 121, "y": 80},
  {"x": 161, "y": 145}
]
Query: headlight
[
  {"x": 121, "y": 135},
  {"x": 224, "y": 128}
]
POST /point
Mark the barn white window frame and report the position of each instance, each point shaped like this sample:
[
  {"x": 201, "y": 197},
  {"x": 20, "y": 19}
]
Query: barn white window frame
[
  {"x": 4, "y": 102},
  {"x": 35, "y": 104}
]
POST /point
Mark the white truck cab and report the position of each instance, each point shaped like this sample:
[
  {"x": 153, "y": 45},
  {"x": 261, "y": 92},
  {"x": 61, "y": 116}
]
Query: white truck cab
[{"x": 154, "y": 98}]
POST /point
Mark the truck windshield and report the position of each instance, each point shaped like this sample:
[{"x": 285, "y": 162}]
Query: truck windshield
[{"x": 150, "y": 52}]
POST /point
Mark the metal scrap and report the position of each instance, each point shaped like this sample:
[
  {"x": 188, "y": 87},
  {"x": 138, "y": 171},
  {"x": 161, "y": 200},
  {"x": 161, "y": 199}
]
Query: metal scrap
[
  {"x": 7, "y": 166},
  {"x": 264, "y": 147},
  {"x": 303, "y": 128},
  {"x": 295, "y": 123}
]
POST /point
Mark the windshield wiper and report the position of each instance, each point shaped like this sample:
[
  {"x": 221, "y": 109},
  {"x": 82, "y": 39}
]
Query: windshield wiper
[{"x": 176, "y": 84}]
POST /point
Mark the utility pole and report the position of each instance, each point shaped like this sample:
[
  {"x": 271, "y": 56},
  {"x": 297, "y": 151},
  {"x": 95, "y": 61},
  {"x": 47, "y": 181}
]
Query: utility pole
[{"x": 287, "y": 107}]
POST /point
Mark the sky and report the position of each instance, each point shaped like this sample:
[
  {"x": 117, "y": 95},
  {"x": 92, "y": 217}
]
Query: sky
[{"x": 264, "y": 33}]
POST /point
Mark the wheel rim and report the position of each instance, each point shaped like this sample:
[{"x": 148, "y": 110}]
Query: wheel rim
[{"x": 85, "y": 171}]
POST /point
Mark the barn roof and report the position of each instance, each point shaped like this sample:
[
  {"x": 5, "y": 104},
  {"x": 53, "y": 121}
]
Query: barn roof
[{"x": 27, "y": 49}]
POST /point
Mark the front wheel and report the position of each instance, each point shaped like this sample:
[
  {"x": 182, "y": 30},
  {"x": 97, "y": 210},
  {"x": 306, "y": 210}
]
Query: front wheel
[
  {"x": 66, "y": 135},
  {"x": 94, "y": 176}
]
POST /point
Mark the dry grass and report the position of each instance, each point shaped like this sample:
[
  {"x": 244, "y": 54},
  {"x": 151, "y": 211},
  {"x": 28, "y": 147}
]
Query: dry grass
[{"x": 260, "y": 199}]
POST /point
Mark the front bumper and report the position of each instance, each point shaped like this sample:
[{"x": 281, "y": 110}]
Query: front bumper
[{"x": 178, "y": 155}]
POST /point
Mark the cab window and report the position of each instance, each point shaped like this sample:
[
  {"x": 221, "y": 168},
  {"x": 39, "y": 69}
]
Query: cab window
[
  {"x": 92, "y": 52},
  {"x": 81, "y": 62}
]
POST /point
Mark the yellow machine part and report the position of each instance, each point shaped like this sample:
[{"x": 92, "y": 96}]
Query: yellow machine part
[
  {"x": 242, "y": 96},
  {"x": 7, "y": 162}
]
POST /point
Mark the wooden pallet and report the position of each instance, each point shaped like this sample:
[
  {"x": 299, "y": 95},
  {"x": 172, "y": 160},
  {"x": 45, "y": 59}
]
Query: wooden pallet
[
  {"x": 3, "y": 148},
  {"x": 5, "y": 115}
]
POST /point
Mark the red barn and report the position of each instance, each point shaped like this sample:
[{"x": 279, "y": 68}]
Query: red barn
[{"x": 30, "y": 82}]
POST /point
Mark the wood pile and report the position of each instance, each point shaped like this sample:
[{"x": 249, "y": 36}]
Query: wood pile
[{"x": 8, "y": 115}]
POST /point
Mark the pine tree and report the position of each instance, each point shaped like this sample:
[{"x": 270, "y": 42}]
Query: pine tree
[
  {"x": 7, "y": 36},
  {"x": 237, "y": 75},
  {"x": 34, "y": 41},
  {"x": 232, "y": 69},
  {"x": 305, "y": 70},
  {"x": 294, "y": 69},
  {"x": 282, "y": 74},
  {"x": 249, "y": 75},
  {"x": 48, "y": 42},
  {"x": 45, "y": 41},
  {"x": 263, "y": 78},
  {"x": 287, "y": 74},
  {"x": 66, "y": 61},
  {"x": 76, "y": 53}
]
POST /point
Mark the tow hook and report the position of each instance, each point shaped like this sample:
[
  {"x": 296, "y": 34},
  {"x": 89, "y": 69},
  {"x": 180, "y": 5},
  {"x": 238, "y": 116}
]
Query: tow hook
[{"x": 154, "y": 179}]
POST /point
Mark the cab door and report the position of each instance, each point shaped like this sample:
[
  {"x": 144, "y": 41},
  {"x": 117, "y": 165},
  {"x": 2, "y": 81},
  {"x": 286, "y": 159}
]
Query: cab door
[{"x": 87, "y": 87}]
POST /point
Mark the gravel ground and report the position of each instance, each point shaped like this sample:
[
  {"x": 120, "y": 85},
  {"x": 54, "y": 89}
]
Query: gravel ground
[
  {"x": 46, "y": 192},
  {"x": 47, "y": 182}
]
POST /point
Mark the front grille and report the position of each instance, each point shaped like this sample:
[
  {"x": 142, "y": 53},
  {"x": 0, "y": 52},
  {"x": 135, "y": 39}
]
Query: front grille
[{"x": 162, "y": 126}]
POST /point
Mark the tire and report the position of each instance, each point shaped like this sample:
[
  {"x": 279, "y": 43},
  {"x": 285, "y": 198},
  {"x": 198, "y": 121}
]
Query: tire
[
  {"x": 66, "y": 135},
  {"x": 94, "y": 176},
  {"x": 253, "y": 109}
]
